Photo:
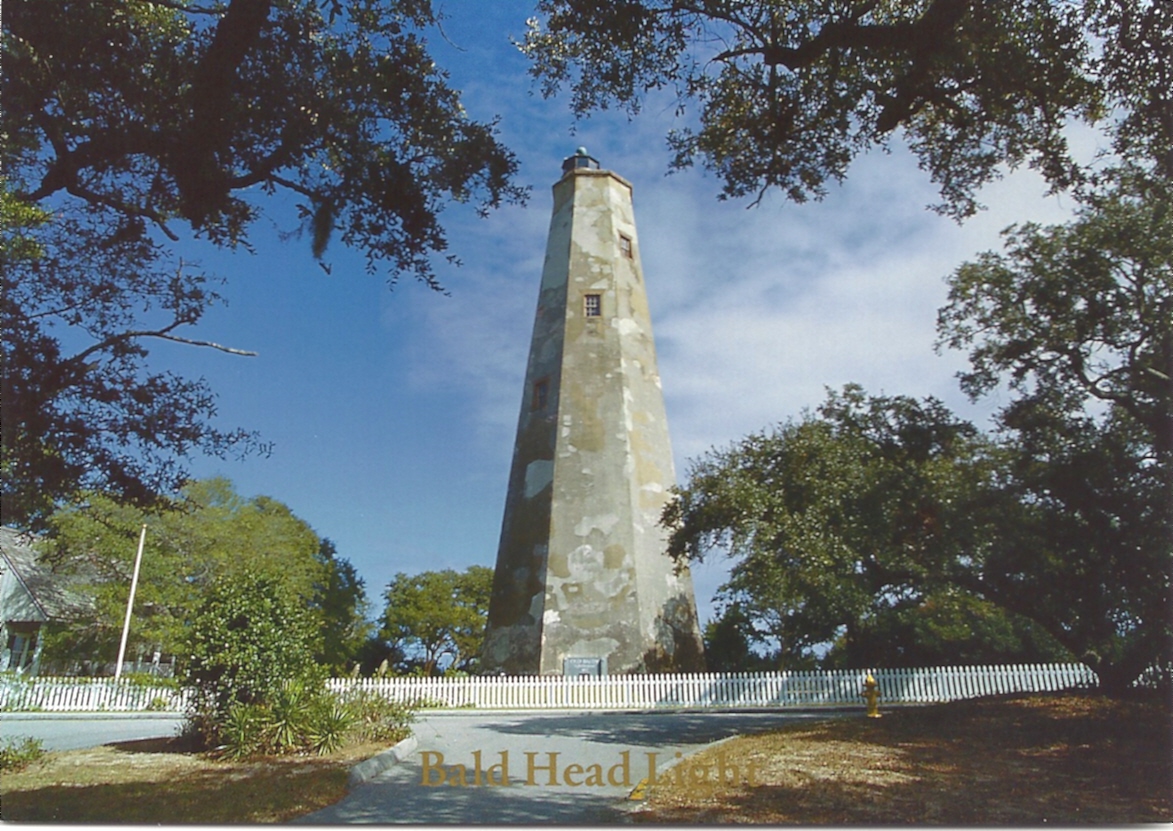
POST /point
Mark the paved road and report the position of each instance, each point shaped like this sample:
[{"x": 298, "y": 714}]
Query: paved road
[
  {"x": 73, "y": 731},
  {"x": 597, "y": 758}
]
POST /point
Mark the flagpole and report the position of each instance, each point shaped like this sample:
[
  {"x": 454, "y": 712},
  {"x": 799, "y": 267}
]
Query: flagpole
[{"x": 138, "y": 558}]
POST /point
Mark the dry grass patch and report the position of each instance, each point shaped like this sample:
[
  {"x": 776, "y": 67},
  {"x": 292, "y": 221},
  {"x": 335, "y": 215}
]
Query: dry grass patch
[
  {"x": 159, "y": 781},
  {"x": 1023, "y": 760}
]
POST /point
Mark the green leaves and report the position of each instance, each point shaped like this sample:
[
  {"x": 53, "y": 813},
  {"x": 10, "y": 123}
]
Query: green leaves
[
  {"x": 784, "y": 96},
  {"x": 307, "y": 718},
  {"x": 171, "y": 113},
  {"x": 250, "y": 642},
  {"x": 439, "y": 614},
  {"x": 834, "y": 518},
  {"x": 207, "y": 533},
  {"x": 1084, "y": 309},
  {"x": 342, "y": 603},
  {"x": 1077, "y": 322}
]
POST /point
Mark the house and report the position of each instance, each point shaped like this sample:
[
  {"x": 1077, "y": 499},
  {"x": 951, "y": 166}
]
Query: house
[{"x": 31, "y": 595}]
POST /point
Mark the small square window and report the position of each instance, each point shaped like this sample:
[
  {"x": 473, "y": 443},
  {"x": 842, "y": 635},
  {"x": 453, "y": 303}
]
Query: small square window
[
  {"x": 593, "y": 305},
  {"x": 541, "y": 394},
  {"x": 625, "y": 246}
]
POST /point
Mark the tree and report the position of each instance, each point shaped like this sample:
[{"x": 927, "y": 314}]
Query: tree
[
  {"x": 1136, "y": 72},
  {"x": 1076, "y": 322},
  {"x": 1081, "y": 312},
  {"x": 81, "y": 410},
  {"x": 729, "y": 641},
  {"x": 439, "y": 614},
  {"x": 835, "y": 521},
  {"x": 951, "y": 627},
  {"x": 787, "y": 94},
  {"x": 206, "y": 533},
  {"x": 156, "y": 112},
  {"x": 126, "y": 122},
  {"x": 342, "y": 602}
]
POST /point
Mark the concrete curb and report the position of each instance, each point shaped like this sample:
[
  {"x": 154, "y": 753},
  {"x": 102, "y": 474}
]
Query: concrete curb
[{"x": 365, "y": 771}]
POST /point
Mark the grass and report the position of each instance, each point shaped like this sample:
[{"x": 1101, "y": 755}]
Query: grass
[
  {"x": 1023, "y": 760},
  {"x": 161, "y": 781}
]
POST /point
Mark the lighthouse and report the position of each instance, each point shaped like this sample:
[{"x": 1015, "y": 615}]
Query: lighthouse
[{"x": 583, "y": 583}]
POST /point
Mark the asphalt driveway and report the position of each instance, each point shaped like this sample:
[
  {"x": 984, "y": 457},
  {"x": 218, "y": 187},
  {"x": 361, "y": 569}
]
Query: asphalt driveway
[{"x": 74, "y": 731}]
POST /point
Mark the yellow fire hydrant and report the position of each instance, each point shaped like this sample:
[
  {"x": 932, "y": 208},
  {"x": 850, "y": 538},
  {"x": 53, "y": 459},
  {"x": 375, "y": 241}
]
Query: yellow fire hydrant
[{"x": 871, "y": 693}]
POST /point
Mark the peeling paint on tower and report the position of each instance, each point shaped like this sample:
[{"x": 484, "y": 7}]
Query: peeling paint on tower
[{"x": 582, "y": 569}]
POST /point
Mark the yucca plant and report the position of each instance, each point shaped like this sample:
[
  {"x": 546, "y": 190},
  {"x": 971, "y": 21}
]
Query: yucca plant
[
  {"x": 290, "y": 717},
  {"x": 332, "y": 724},
  {"x": 243, "y": 731}
]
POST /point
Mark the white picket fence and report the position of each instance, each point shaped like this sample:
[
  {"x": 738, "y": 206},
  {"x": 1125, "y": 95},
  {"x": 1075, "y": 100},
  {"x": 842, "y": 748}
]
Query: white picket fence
[
  {"x": 87, "y": 695},
  {"x": 765, "y": 689},
  {"x": 609, "y": 692}
]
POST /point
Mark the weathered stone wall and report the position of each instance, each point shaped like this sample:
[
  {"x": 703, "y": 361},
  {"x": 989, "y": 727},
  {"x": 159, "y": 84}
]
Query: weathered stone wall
[{"x": 581, "y": 569}]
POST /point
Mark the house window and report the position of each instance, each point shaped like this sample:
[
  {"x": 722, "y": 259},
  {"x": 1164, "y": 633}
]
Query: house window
[
  {"x": 625, "y": 246},
  {"x": 541, "y": 394},
  {"x": 593, "y": 305},
  {"x": 19, "y": 651}
]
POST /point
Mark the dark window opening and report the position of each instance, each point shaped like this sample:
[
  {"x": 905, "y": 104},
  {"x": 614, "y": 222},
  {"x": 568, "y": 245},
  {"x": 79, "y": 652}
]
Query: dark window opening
[
  {"x": 541, "y": 394},
  {"x": 593, "y": 305},
  {"x": 625, "y": 246}
]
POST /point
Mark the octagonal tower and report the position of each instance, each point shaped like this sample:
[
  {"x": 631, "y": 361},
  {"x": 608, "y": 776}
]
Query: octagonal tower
[{"x": 582, "y": 570}]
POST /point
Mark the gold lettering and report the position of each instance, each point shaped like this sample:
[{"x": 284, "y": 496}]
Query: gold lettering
[
  {"x": 462, "y": 782},
  {"x": 625, "y": 765},
  {"x": 751, "y": 774},
  {"x": 595, "y": 777},
  {"x": 572, "y": 770},
  {"x": 502, "y": 770},
  {"x": 531, "y": 768},
  {"x": 652, "y": 769},
  {"x": 433, "y": 761}
]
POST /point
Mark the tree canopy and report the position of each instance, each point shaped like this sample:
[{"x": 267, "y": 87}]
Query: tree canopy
[
  {"x": 129, "y": 124},
  {"x": 785, "y": 95},
  {"x": 154, "y": 113},
  {"x": 341, "y": 600},
  {"x": 207, "y": 532},
  {"x": 439, "y": 615},
  {"x": 836, "y": 521},
  {"x": 1074, "y": 325}
]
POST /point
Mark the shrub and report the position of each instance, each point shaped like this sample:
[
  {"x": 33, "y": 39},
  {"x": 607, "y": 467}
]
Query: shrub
[
  {"x": 306, "y": 718},
  {"x": 378, "y": 719},
  {"x": 250, "y": 643},
  {"x": 18, "y": 754},
  {"x": 257, "y": 688}
]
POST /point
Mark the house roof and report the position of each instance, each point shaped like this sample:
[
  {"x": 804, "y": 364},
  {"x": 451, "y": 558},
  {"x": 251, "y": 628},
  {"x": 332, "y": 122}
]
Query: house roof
[{"x": 53, "y": 594}]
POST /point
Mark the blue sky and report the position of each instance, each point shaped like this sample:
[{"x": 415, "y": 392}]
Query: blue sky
[{"x": 392, "y": 412}]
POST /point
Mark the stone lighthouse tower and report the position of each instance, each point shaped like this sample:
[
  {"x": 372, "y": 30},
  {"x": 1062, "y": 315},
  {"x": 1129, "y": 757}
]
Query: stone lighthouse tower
[{"x": 583, "y": 581}]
